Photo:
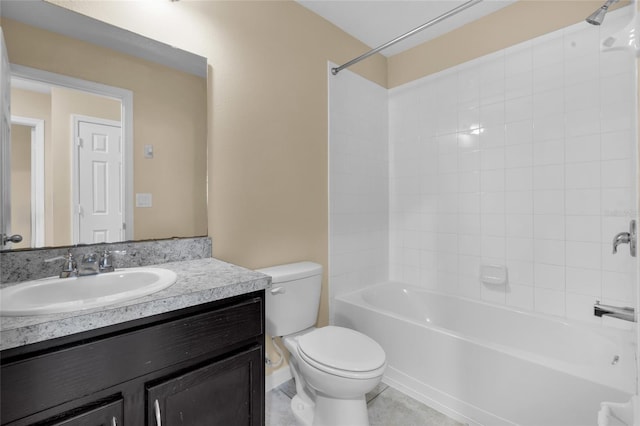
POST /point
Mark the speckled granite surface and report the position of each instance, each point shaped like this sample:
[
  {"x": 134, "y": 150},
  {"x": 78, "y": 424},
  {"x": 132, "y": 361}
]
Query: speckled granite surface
[
  {"x": 199, "y": 281},
  {"x": 24, "y": 265}
]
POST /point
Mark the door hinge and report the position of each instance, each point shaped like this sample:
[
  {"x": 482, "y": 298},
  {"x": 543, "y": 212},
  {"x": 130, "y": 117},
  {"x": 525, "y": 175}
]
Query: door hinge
[{"x": 79, "y": 142}]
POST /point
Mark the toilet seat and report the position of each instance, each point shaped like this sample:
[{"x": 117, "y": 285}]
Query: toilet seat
[{"x": 342, "y": 352}]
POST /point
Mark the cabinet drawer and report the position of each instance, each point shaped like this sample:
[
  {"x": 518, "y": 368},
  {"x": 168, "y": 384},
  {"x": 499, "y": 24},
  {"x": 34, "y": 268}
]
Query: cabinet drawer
[
  {"x": 44, "y": 381},
  {"x": 107, "y": 414}
]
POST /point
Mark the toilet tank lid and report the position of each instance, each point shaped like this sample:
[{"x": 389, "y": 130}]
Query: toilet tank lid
[{"x": 292, "y": 271}]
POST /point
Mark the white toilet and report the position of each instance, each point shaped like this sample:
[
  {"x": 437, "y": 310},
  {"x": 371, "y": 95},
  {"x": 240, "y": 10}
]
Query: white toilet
[{"x": 333, "y": 367}]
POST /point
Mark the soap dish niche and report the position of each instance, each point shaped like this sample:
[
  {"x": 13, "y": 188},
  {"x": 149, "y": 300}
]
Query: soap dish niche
[{"x": 493, "y": 274}]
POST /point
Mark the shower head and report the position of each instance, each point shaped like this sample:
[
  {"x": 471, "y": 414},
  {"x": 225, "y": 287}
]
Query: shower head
[{"x": 597, "y": 17}]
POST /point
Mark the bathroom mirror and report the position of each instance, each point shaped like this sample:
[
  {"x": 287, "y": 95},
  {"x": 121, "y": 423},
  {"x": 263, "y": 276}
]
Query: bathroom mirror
[{"x": 156, "y": 93}]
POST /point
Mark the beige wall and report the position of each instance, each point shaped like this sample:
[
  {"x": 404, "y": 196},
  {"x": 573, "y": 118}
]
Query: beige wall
[
  {"x": 511, "y": 25},
  {"x": 169, "y": 112},
  {"x": 268, "y": 163},
  {"x": 21, "y": 184}
]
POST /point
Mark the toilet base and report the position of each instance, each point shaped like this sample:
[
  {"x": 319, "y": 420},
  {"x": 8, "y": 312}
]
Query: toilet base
[
  {"x": 340, "y": 412},
  {"x": 330, "y": 411},
  {"x": 302, "y": 411}
]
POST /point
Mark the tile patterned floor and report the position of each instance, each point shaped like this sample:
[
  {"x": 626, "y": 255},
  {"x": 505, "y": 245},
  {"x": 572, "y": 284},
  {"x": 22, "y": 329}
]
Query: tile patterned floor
[{"x": 387, "y": 407}]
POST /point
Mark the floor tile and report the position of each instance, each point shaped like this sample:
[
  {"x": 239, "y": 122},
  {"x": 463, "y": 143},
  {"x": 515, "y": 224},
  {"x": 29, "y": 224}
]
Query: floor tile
[
  {"x": 392, "y": 407},
  {"x": 278, "y": 409},
  {"x": 387, "y": 407}
]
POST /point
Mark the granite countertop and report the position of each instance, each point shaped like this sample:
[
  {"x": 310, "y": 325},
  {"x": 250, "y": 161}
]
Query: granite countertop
[{"x": 199, "y": 281}]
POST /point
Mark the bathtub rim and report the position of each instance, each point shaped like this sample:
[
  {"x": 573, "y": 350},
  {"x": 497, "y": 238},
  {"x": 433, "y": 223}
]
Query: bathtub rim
[
  {"x": 621, "y": 338},
  {"x": 608, "y": 332}
]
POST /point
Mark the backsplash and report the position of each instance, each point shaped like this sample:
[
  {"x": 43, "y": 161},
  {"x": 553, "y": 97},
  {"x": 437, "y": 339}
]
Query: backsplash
[{"x": 24, "y": 265}]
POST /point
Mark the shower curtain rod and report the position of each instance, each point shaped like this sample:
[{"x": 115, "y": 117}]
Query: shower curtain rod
[{"x": 442, "y": 17}]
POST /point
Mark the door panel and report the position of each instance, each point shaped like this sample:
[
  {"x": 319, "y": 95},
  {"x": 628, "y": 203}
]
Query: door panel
[
  {"x": 216, "y": 394},
  {"x": 100, "y": 183}
]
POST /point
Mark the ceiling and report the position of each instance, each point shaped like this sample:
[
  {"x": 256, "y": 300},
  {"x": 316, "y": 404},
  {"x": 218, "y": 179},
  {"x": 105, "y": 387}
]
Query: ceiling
[{"x": 375, "y": 22}]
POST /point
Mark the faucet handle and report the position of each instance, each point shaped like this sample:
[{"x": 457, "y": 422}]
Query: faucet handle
[
  {"x": 70, "y": 267},
  {"x": 627, "y": 238},
  {"x": 106, "y": 259}
]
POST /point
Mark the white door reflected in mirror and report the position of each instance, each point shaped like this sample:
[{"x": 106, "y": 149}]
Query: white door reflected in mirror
[{"x": 98, "y": 183}]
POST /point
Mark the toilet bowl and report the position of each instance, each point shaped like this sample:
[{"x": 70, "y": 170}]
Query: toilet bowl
[
  {"x": 339, "y": 366},
  {"x": 333, "y": 367}
]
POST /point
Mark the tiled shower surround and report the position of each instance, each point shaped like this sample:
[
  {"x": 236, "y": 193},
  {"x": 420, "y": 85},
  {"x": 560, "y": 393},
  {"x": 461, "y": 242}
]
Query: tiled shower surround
[{"x": 523, "y": 158}]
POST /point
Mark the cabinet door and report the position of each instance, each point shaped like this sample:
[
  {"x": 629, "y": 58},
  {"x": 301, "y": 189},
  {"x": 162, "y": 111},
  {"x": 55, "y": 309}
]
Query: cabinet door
[
  {"x": 109, "y": 414},
  {"x": 222, "y": 393}
]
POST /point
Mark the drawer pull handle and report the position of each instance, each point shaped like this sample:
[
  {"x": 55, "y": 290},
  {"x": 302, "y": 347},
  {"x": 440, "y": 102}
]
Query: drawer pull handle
[
  {"x": 114, "y": 421},
  {"x": 156, "y": 406},
  {"x": 278, "y": 290}
]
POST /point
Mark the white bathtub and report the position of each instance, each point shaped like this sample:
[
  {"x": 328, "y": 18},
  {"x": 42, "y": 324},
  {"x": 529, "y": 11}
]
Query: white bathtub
[{"x": 489, "y": 365}]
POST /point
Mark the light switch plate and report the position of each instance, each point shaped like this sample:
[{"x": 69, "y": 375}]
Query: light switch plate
[
  {"x": 144, "y": 200},
  {"x": 148, "y": 151}
]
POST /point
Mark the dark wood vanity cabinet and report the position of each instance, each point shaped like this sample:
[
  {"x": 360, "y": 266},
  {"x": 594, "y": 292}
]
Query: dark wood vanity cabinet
[{"x": 199, "y": 366}]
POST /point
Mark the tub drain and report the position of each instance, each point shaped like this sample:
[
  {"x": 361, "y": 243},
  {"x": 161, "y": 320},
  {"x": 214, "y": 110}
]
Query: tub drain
[{"x": 615, "y": 360}]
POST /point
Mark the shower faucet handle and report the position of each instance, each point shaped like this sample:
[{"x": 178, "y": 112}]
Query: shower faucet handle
[{"x": 627, "y": 238}]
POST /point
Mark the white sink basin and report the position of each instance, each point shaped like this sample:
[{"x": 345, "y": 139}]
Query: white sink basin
[{"x": 54, "y": 295}]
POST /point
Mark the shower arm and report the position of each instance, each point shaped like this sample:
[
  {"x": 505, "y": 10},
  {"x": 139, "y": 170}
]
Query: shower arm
[{"x": 416, "y": 30}]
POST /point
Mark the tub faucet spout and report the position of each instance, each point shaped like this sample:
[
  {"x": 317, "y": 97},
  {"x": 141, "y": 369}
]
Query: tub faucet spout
[{"x": 623, "y": 313}]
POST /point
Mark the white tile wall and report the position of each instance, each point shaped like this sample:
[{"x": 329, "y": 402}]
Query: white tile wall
[
  {"x": 358, "y": 183},
  {"x": 523, "y": 158}
]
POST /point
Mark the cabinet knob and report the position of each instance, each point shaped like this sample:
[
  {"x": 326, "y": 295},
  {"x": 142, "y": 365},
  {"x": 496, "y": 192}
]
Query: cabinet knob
[
  {"x": 114, "y": 421},
  {"x": 156, "y": 406}
]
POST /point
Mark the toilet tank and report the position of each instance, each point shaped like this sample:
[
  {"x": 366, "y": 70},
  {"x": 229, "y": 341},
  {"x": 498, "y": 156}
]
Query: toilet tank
[{"x": 292, "y": 301}]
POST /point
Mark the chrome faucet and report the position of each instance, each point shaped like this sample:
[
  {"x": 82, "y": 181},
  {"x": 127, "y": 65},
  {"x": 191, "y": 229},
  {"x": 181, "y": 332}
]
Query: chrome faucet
[
  {"x": 625, "y": 313},
  {"x": 626, "y": 238},
  {"x": 88, "y": 265},
  {"x": 106, "y": 260}
]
